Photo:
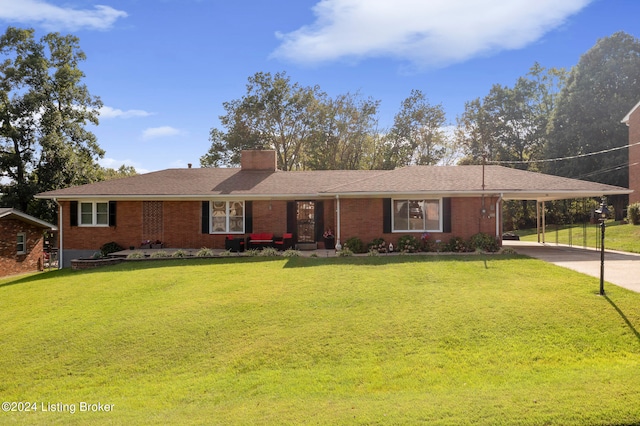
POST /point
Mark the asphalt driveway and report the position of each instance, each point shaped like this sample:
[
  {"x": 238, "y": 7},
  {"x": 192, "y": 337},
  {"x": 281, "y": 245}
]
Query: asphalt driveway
[{"x": 621, "y": 269}]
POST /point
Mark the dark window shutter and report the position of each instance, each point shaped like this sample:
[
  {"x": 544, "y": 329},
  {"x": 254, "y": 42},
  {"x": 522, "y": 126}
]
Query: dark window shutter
[
  {"x": 73, "y": 213},
  {"x": 446, "y": 215},
  {"x": 319, "y": 219},
  {"x": 112, "y": 213},
  {"x": 248, "y": 217},
  {"x": 205, "y": 217},
  {"x": 292, "y": 217},
  {"x": 386, "y": 215}
]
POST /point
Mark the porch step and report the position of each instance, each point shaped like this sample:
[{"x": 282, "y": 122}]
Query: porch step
[{"x": 307, "y": 246}]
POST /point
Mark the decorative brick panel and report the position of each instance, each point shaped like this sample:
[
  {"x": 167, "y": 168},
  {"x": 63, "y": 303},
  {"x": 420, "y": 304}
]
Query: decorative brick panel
[{"x": 152, "y": 220}]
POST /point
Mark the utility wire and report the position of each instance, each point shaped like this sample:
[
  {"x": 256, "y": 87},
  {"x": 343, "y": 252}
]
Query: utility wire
[{"x": 562, "y": 158}]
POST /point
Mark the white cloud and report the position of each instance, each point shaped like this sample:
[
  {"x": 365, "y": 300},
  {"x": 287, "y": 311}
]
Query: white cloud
[
  {"x": 108, "y": 112},
  {"x": 430, "y": 33},
  {"x": 159, "y": 132},
  {"x": 55, "y": 17}
]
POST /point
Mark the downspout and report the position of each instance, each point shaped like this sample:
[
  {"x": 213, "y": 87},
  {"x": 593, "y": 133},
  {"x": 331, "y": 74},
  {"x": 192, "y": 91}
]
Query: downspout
[
  {"x": 338, "y": 244},
  {"x": 60, "y": 229},
  {"x": 499, "y": 224}
]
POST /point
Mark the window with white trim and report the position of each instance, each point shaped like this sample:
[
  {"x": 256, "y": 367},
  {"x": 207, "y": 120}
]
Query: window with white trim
[
  {"x": 93, "y": 213},
  {"x": 417, "y": 215},
  {"x": 21, "y": 247},
  {"x": 227, "y": 217}
]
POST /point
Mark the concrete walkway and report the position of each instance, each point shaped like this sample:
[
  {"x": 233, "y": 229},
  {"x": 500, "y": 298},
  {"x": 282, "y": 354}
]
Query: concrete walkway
[{"x": 620, "y": 268}]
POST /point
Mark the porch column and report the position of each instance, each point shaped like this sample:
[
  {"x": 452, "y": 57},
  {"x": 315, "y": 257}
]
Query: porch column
[
  {"x": 544, "y": 223},
  {"x": 538, "y": 220}
]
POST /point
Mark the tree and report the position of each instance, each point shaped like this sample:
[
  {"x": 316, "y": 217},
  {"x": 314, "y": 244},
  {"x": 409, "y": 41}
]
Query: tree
[
  {"x": 273, "y": 114},
  {"x": 342, "y": 133},
  {"x": 600, "y": 90},
  {"x": 120, "y": 172},
  {"x": 417, "y": 135},
  {"x": 44, "y": 108},
  {"x": 510, "y": 124}
]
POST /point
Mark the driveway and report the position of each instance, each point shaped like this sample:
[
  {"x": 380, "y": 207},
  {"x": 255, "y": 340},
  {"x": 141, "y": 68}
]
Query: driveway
[{"x": 620, "y": 268}]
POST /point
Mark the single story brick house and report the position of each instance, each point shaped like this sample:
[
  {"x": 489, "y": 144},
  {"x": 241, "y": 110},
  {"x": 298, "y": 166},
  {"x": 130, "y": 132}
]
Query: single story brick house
[
  {"x": 632, "y": 119},
  {"x": 194, "y": 208},
  {"x": 21, "y": 242}
]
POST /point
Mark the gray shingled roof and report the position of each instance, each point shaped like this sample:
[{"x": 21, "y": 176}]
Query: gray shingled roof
[
  {"x": 17, "y": 214},
  {"x": 437, "y": 180}
]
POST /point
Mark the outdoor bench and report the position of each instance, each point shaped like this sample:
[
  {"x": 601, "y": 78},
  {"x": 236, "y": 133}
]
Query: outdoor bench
[{"x": 260, "y": 240}]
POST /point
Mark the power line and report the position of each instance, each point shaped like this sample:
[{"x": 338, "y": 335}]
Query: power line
[{"x": 562, "y": 158}]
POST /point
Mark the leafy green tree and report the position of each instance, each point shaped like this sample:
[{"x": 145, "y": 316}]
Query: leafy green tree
[
  {"x": 417, "y": 135},
  {"x": 122, "y": 171},
  {"x": 44, "y": 108},
  {"x": 273, "y": 114},
  {"x": 510, "y": 124},
  {"x": 342, "y": 133},
  {"x": 600, "y": 90}
]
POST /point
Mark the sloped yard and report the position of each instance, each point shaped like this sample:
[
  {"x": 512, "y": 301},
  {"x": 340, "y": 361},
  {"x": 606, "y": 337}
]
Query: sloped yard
[{"x": 385, "y": 340}]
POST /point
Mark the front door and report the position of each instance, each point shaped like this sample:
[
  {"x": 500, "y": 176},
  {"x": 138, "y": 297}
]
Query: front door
[{"x": 306, "y": 221}]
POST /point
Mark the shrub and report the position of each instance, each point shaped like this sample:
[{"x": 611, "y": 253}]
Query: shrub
[
  {"x": 484, "y": 242},
  {"x": 354, "y": 244},
  {"x": 291, "y": 253},
  {"x": 136, "y": 255},
  {"x": 179, "y": 253},
  {"x": 373, "y": 252},
  {"x": 268, "y": 252},
  {"x": 160, "y": 254},
  {"x": 226, "y": 253},
  {"x": 408, "y": 244},
  {"x": 111, "y": 247},
  {"x": 204, "y": 252},
  {"x": 457, "y": 245},
  {"x": 379, "y": 245},
  {"x": 252, "y": 252},
  {"x": 428, "y": 243},
  {"x": 345, "y": 252},
  {"x": 633, "y": 213}
]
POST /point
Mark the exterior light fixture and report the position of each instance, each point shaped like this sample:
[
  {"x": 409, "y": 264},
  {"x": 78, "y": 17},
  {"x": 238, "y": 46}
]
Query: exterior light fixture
[{"x": 603, "y": 213}]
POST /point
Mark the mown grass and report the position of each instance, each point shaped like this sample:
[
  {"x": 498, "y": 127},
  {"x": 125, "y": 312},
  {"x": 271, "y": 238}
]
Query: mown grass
[
  {"x": 618, "y": 236},
  {"x": 371, "y": 340}
]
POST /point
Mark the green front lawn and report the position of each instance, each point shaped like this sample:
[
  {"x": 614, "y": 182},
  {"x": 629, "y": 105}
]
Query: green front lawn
[
  {"x": 369, "y": 340},
  {"x": 624, "y": 237}
]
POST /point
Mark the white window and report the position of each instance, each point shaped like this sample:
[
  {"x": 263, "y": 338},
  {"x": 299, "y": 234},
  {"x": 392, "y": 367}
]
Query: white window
[
  {"x": 94, "y": 214},
  {"x": 227, "y": 217},
  {"x": 22, "y": 243},
  {"x": 417, "y": 215}
]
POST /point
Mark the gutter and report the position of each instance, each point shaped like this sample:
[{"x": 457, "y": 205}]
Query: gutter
[{"x": 60, "y": 244}]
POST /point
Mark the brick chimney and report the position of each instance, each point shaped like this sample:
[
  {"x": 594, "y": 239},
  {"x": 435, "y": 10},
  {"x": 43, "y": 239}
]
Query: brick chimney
[{"x": 263, "y": 160}]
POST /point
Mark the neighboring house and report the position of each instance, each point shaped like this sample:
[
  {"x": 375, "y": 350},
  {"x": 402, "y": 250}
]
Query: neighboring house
[
  {"x": 194, "y": 208},
  {"x": 21, "y": 242},
  {"x": 632, "y": 119}
]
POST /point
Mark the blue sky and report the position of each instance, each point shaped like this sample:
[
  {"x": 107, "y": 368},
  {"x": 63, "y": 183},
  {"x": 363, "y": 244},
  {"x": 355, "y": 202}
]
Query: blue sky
[{"x": 163, "y": 68}]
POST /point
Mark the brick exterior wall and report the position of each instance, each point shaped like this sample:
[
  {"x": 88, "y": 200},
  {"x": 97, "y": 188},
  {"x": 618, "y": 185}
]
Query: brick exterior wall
[
  {"x": 12, "y": 263},
  {"x": 634, "y": 157},
  {"x": 363, "y": 218},
  {"x": 182, "y": 223}
]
